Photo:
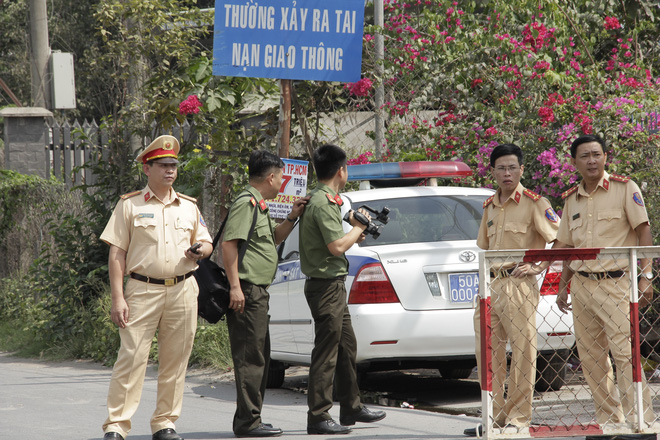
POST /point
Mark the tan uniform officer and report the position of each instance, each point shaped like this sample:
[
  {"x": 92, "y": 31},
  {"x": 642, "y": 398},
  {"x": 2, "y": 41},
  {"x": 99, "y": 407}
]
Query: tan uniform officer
[
  {"x": 514, "y": 218},
  {"x": 323, "y": 243},
  {"x": 150, "y": 233},
  {"x": 249, "y": 279},
  {"x": 604, "y": 211}
]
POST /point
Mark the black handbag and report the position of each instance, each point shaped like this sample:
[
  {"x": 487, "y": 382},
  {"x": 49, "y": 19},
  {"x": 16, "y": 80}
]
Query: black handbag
[{"x": 213, "y": 299}]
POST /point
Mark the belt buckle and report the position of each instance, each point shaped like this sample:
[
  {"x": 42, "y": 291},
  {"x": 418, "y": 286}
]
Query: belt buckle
[
  {"x": 170, "y": 281},
  {"x": 594, "y": 276}
]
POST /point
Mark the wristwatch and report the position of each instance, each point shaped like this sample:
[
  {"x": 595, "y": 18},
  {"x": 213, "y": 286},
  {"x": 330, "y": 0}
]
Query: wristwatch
[
  {"x": 292, "y": 220},
  {"x": 647, "y": 275}
]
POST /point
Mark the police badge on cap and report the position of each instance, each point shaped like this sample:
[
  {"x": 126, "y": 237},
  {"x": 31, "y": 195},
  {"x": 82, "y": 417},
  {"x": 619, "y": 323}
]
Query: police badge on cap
[{"x": 164, "y": 149}]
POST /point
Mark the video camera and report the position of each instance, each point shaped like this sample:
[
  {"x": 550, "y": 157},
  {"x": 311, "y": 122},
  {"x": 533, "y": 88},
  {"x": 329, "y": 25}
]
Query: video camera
[{"x": 372, "y": 228}]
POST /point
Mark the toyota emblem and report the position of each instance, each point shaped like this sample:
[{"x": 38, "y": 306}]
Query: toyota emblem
[{"x": 467, "y": 256}]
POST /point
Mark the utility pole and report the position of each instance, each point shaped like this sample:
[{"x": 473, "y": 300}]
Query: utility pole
[
  {"x": 379, "y": 131},
  {"x": 284, "y": 118},
  {"x": 40, "y": 52}
]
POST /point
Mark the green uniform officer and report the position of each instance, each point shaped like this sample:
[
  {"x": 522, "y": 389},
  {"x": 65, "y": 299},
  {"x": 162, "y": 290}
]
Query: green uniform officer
[
  {"x": 248, "y": 324},
  {"x": 323, "y": 244}
]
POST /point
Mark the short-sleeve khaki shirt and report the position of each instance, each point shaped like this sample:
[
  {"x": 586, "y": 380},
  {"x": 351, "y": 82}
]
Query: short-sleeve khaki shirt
[
  {"x": 155, "y": 235},
  {"x": 524, "y": 221},
  {"x": 605, "y": 218},
  {"x": 320, "y": 225},
  {"x": 260, "y": 261}
]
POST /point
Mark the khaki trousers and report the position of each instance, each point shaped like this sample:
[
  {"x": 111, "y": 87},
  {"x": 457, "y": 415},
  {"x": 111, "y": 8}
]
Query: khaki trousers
[
  {"x": 173, "y": 312},
  {"x": 513, "y": 319},
  {"x": 334, "y": 353},
  {"x": 601, "y": 315},
  {"x": 250, "y": 351}
]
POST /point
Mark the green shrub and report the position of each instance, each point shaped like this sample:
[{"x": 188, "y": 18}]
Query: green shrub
[
  {"x": 20, "y": 317},
  {"x": 211, "y": 348}
]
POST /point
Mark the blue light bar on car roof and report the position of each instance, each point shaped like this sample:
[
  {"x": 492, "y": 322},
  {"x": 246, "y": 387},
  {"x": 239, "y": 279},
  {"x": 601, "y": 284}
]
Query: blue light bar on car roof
[{"x": 408, "y": 170}]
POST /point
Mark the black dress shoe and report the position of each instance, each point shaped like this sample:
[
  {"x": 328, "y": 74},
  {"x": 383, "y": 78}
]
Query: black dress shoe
[
  {"x": 365, "y": 415},
  {"x": 112, "y": 436},
  {"x": 166, "y": 434},
  {"x": 472, "y": 432},
  {"x": 263, "y": 430},
  {"x": 327, "y": 427}
]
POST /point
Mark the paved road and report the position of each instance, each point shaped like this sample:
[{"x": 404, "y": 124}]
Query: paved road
[{"x": 64, "y": 401}]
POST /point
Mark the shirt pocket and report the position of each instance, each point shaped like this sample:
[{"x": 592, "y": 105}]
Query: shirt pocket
[
  {"x": 515, "y": 234},
  {"x": 491, "y": 228},
  {"x": 145, "y": 230},
  {"x": 574, "y": 226},
  {"x": 262, "y": 230},
  {"x": 183, "y": 228},
  {"x": 609, "y": 222}
]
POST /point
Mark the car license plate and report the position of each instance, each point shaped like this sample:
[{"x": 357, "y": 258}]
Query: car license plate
[{"x": 463, "y": 287}]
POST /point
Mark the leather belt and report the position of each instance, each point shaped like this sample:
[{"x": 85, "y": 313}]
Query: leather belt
[
  {"x": 597, "y": 276},
  {"x": 502, "y": 273},
  {"x": 166, "y": 282}
]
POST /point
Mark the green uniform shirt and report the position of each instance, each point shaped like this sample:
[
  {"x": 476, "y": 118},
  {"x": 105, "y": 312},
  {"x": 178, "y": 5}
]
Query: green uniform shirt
[
  {"x": 260, "y": 261},
  {"x": 320, "y": 225}
]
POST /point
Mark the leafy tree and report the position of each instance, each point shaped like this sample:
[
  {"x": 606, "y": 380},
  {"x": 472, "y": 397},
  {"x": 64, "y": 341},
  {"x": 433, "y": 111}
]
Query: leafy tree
[
  {"x": 461, "y": 77},
  {"x": 14, "y": 58},
  {"x": 144, "y": 43},
  {"x": 71, "y": 28}
]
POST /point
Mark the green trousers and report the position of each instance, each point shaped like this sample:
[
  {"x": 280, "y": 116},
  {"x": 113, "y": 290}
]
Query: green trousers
[
  {"x": 334, "y": 353},
  {"x": 250, "y": 351}
]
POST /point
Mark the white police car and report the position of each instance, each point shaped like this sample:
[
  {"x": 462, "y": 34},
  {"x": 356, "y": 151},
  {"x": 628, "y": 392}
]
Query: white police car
[{"x": 411, "y": 290}]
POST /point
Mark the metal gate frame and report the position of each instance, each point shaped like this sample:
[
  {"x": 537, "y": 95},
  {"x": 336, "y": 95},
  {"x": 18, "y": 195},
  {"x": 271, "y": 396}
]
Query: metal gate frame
[{"x": 486, "y": 260}]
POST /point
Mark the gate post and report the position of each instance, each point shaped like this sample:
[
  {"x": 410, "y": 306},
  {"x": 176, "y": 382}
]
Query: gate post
[{"x": 25, "y": 139}]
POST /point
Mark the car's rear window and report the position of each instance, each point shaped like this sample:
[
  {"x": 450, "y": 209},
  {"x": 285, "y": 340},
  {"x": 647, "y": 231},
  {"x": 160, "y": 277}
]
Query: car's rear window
[{"x": 427, "y": 219}]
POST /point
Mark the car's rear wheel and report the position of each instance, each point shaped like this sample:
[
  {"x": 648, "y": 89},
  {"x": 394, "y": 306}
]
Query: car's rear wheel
[
  {"x": 455, "y": 373},
  {"x": 275, "y": 377},
  {"x": 550, "y": 372}
]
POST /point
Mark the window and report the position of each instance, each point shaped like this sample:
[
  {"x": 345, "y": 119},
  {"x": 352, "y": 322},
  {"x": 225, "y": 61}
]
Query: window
[
  {"x": 428, "y": 219},
  {"x": 289, "y": 249}
]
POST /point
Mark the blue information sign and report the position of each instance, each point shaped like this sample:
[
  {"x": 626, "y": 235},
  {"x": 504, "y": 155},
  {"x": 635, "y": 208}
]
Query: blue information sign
[{"x": 289, "y": 39}]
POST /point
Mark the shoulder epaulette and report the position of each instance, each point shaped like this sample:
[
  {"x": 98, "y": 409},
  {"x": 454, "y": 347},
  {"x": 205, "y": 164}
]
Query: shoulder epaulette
[
  {"x": 130, "y": 194},
  {"x": 183, "y": 196},
  {"x": 618, "y": 178},
  {"x": 569, "y": 192},
  {"x": 531, "y": 194},
  {"x": 489, "y": 200}
]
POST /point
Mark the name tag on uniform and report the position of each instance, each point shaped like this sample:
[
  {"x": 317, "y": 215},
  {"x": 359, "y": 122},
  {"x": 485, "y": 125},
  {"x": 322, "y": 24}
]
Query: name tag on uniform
[
  {"x": 145, "y": 215},
  {"x": 490, "y": 223},
  {"x": 576, "y": 216}
]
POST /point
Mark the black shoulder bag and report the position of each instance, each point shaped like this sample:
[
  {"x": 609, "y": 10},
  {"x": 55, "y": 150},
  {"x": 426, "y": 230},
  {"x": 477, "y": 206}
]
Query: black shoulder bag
[{"x": 213, "y": 299}]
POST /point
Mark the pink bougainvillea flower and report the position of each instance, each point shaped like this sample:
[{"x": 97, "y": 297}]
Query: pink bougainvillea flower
[
  {"x": 537, "y": 36},
  {"x": 542, "y": 65},
  {"x": 612, "y": 23},
  {"x": 547, "y": 115},
  {"x": 360, "y": 88},
  {"x": 361, "y": 159},
  {"x": 190, "y": 105}
]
